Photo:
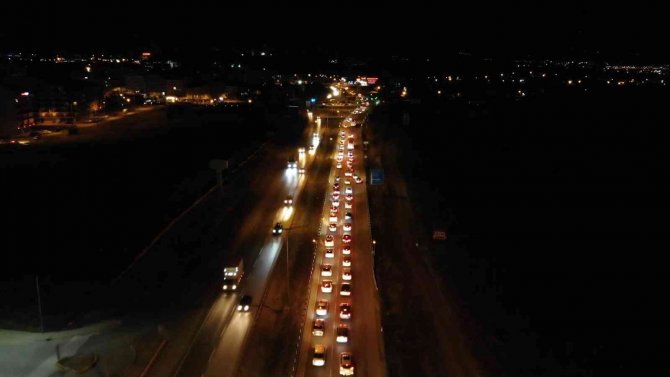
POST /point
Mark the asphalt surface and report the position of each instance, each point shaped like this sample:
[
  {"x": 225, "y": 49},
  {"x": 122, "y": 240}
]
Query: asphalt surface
[
  {"x": 219, "y": 343},
  {"x": 365, "y": 335},
  {"x": 424, "y": 300}
]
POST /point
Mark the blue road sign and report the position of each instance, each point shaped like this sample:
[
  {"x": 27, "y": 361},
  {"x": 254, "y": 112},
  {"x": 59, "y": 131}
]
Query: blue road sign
[{"x": 376, "y": 176}]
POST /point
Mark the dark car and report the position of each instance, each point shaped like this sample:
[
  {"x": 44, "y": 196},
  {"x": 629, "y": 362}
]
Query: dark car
[
  {"x": 245, "y": 304},
  {"x": 277, "y": 230}
]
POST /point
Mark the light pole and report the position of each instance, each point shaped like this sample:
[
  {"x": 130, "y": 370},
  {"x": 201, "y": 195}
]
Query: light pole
[
  {"x": 373, "y": 247},
  {"x": 39, "y": 301},
  {"x": 288, "y": 277}
]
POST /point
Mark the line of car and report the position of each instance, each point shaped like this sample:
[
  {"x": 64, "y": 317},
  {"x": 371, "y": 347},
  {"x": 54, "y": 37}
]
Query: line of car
[{"x": 327, "y": 286}]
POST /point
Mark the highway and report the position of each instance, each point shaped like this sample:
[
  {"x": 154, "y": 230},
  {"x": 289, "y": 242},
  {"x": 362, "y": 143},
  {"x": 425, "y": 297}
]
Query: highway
[
  {"x": 365, "y": 337},
  {"x": 218, "y": 344}
]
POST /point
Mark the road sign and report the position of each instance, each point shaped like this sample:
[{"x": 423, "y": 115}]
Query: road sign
[
  {"x": 376, "y": 176},
  {"x": 439, "y": 234}
]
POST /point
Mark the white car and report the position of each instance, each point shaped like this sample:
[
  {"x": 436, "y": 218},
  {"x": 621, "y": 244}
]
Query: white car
[
  {"x": 301, "y": 150},
  {"x": 346, "y": 364},
  {"x": 346, "y": 250},
  {"x": 346, "y": 274},
  {"x": 329, "y": 241},
  {"x": 346, "y": 261},
  {"x": 347, "y": 173},
  {"x": 332, "y": 227},
  {"x": 319, "y": 356},
  {"x": 338, "y": 165},
  {"x": 345, "y": 289},
  {"x": 347, "y": 181},
  {"x": 336, "y": 203},
  {"x": 333, "y": 217},
  {"x": 347, "y": 227},
  {"x": 337, "y": 179},
  {"x": 342, "y": 333},
  {"x": 348, "y": 190},
  {"x": 326, "y": 286},
  {"x": 348, "y": 205},
  {"x": 322, "y": 308},
  {"x": 357, "y": 179},
  {"x": 318, "y": 327},
  {"x": 330, "y": 253},
  {"x": 326, "y": 270},
  {"x": 345, "y": 311}
]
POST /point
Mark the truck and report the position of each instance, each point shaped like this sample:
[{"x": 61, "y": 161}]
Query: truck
[{"x": 232, "y": 276}]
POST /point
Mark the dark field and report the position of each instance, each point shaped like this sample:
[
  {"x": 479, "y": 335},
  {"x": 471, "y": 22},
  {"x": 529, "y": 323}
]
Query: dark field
[
  {"x": 555, "y": 207},
  {"x": 80, "y": 212}
]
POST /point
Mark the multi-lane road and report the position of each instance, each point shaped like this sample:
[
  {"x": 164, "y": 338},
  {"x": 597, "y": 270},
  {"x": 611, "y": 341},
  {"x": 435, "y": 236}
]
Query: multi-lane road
[
  {"x": 219, "y": 344},
  {"x": 353, "y": 267}
]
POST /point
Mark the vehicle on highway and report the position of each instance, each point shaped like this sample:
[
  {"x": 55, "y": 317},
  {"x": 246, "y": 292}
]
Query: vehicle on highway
[
  {"x": 326, "y": 286},
  {"x": 342, "y": 333},
  {"x": 348, "y": 216},
  {"x": 346, "y": 238},
  {"x": 348, "y": 205},
  {"x": 345, "y": 310},
  {"x": 333, "y": 217},
  {"x": 346, "y": 364},
  {"x": 347, "y": 181},
  {"x": 345, "y": 289},
  {"x": 291, "y": 164},
  {"x": 346, "y": 227},
  {"x": 346, "y": 250},
  {"x": 337, "y": 179},
  {"x": 338, "y": 165},
  {"x": 346, "y": 261},
  {"x": 336, "y": 203},
  {"x": 326, "y": 270},
  {"x": 349, "y": 197},
  {"x": 357, "y": 179},
  {"x": 319, "y": 356},
  {"x": 245, "y": 304},
  {"x": 332, "y": 227},
  {"x": 333, "y": 209},
  {"x": 232, "y": 276},
  {"x": 278, "y": 229},
  {"x": 330, "y": 253},
  {"x": 288, "y": 201},
  {"x": 301, "y": 150},
  {"x": 318, "y": 327},
  {"x": 322, "y": 307},
  {"x": 348, "y": 190},
  {"x": 329, "y": 241},
  {"x": 301, "y": 170},
  {"x": 336, "y": 186},
  {"x": 348, "y": 173},
  {"x": 346, "y": 274},
  {"x": 311, "y": 148},
  {"x": 339, "y": 158},
  {"x": 335, "y": 195}
]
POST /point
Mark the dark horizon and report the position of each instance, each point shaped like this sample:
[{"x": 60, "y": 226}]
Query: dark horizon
[{"x": 584, "y": 32}]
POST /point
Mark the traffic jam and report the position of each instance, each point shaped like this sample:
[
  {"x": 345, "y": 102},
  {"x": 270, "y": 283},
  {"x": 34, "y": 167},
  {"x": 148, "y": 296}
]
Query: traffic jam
[{"x": 332, "y": 311}]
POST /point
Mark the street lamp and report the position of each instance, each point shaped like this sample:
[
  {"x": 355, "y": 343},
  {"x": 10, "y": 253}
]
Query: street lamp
[{"x": 373, "y": 247}]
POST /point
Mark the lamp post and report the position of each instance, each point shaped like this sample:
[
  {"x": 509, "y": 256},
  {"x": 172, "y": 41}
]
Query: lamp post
[
  {"x": 373, "y": 247},
  {"x": 288, "y": 277}
]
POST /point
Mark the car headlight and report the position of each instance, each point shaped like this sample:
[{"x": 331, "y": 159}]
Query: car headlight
[
  {"x": 234, "y": 286},
  {"x": 246, "y": 307},
  {"x": 225, "y": 287},
  {"x": 239, "y": 307}
]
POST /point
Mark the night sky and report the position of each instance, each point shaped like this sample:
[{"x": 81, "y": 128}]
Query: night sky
[{"x": 557, "y": 30}]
